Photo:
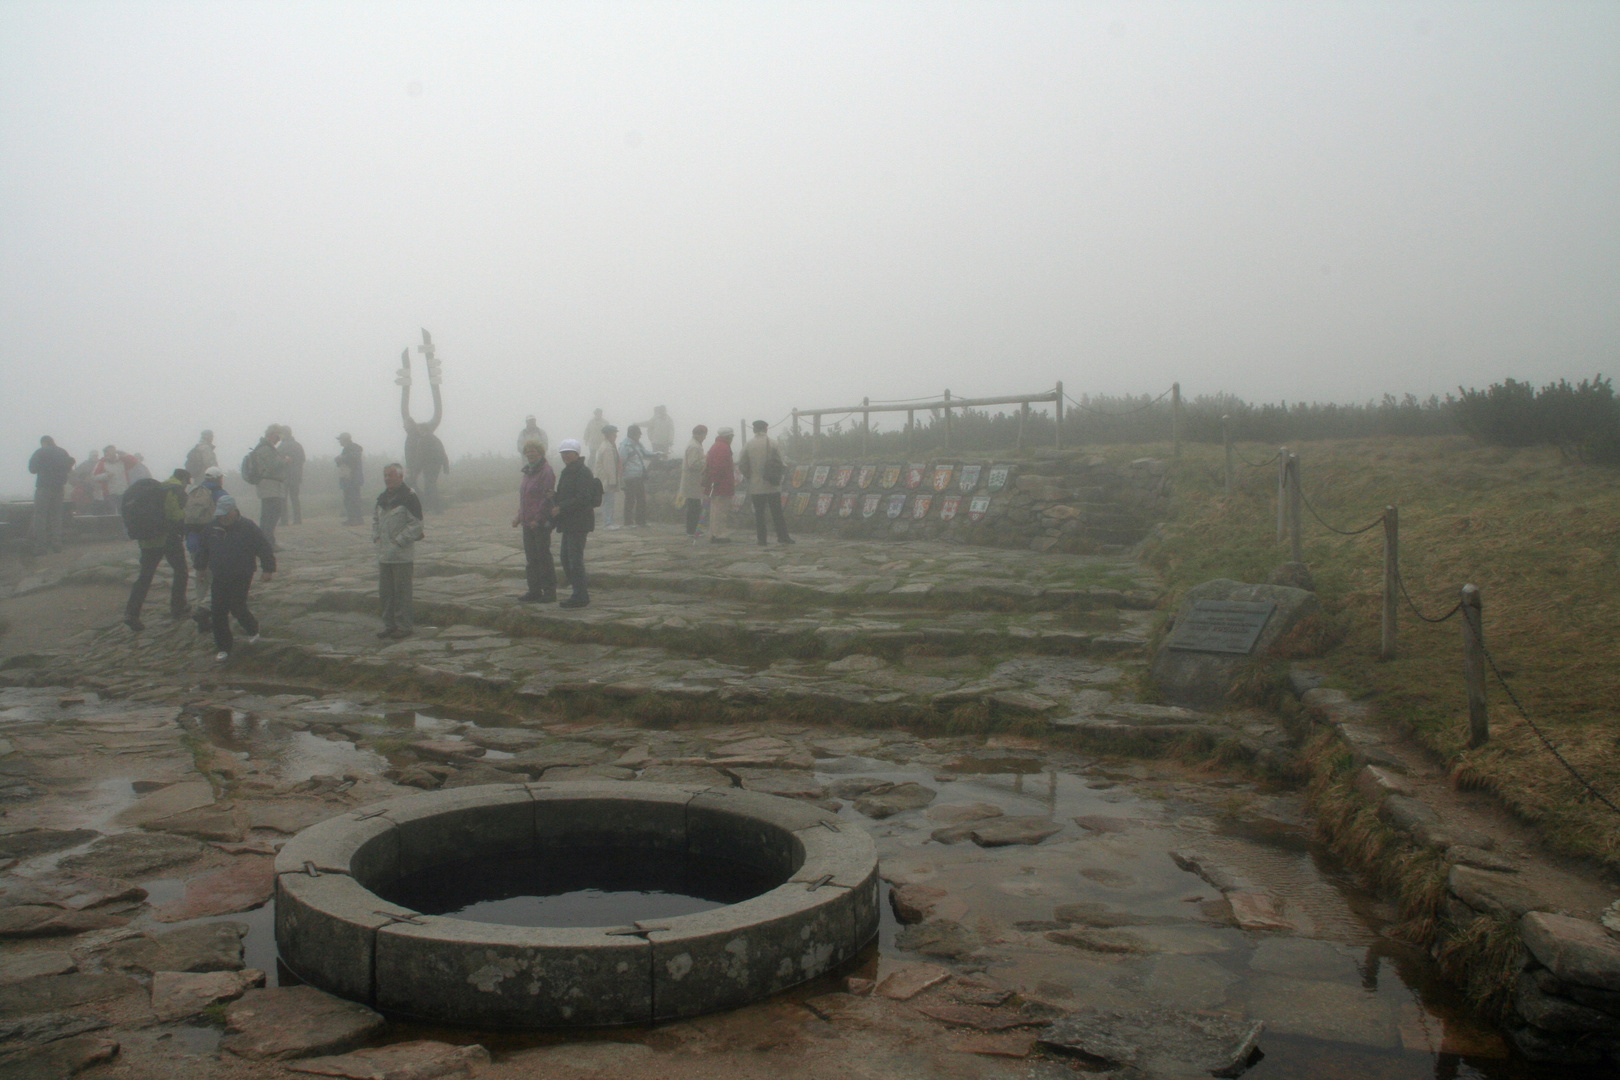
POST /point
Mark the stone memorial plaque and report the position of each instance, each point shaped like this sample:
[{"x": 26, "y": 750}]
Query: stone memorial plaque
[{"x": 1222, "y": 626}]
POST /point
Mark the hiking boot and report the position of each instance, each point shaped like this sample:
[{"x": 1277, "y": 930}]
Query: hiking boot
[
  {"x": 573, "y": 602},
  {"x": 134, "y": 624}
]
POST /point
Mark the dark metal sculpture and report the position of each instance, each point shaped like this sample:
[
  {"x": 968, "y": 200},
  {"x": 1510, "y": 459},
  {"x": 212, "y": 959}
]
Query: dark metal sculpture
[{"x": 425, "y": 457}]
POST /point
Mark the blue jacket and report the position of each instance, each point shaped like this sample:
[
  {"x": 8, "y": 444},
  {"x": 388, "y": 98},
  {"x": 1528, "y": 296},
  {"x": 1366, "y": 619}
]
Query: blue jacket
[{"x": 230, "y": 551}]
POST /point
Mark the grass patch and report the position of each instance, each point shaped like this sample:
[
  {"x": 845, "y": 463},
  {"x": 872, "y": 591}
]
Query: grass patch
[{"x": 1535, "y": 532}]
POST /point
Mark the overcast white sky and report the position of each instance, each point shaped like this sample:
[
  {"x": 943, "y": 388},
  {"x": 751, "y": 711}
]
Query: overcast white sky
[{"x": 219, "y": 215}]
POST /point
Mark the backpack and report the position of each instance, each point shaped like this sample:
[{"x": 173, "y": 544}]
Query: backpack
[
  {"x": 774, "y": 468},
  {"x": 251, "y": 473},
  {"x": 199, "y": 508},
  {"x": 142, "y": 510},
  {"x": 596, "y": 491}
]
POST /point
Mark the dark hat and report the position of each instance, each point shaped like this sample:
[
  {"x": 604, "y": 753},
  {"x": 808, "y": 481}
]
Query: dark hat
[{"x": 761, "y": 425}]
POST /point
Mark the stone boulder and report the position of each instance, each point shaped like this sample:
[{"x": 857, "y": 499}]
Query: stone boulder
[{"x": 1206, "y": 679}]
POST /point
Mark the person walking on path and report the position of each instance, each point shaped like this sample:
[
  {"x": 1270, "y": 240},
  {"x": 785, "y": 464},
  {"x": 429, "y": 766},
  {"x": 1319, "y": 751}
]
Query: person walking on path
[
  {"x": 51, "y": 466},
  {"x": 162, "y": 538},
  {"x": 396, "y": 526},
  {"x": 232, "y": 547},
  {"x": 351, "y": 475},
  {"x": 535, "y": 494},
  {"x": 604, "y": 465},
  {"x": 532, "y": 432},
  {"x": 202, "y": 503},
  {"x": 266, "y": 469},
  {"x": 202, "y": 456},
  {"x": 633, "y": 477},
  {"x": 689, "y": 495},
  {"x": 593, "y": 433},
  {"x": 719, "y": 485},
  {"x": 575, "y": 517},
  {"x": 660, "y": 431},
  {"x": 762, "y": 464},
  {"x": 293, "y": 451}
]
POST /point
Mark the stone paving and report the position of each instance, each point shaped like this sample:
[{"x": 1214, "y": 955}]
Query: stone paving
[{"x": 1037, "y": 885}]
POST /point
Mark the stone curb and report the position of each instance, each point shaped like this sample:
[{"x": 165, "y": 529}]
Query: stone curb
[{"x": 1566, "y": 1006}]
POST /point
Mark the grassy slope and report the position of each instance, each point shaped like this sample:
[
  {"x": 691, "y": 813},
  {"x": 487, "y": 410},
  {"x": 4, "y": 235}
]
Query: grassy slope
[{"x": 1538, "y": 535}]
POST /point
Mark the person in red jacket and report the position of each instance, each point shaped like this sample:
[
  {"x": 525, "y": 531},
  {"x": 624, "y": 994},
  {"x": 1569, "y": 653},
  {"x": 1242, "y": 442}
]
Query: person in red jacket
[{"x": 720, "y": 484}]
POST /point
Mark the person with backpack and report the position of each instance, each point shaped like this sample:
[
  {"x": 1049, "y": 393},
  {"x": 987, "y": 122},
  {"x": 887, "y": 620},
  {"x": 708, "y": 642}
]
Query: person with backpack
[
  {"x": 231, "y": 548},
  {"x": 293, "y": 451},
  {"x": 51, "y": 466},
  {"x": 604, "y": 465},
  {"x": 351, "y": 477},
  {"x": 201, "y": 502},
  {"x": 265, "y": 467},
  {"x": 396, "y": 526},
  {"x": 155, "y": 516},
  {"x": 633, "y": 477},
  {"x": 762, "y": 464},
  {"x": 574, "y": 511},
  {"x": 202, "y": 456}
]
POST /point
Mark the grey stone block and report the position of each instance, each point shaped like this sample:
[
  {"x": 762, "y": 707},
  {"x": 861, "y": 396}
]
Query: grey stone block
[
  {"x": 366, "y": 847},
  {"x": 1574, "y": 950},
  {"x": 1406, "y": 813},
  {"x": 1495, "y": 894},
  {"x": 451, "y": 826},
  {"x": 732, "y": 955},
  {"x": 610, "y": 814},
  {"x": 326, "y": 929},
  {"x": 513, "y": 976}
]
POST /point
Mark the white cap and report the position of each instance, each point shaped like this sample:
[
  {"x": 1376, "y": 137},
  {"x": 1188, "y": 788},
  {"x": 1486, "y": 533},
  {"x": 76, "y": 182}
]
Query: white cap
[
  {"x": 213, "y": 472},
  {"x": 567, "y": 445}
]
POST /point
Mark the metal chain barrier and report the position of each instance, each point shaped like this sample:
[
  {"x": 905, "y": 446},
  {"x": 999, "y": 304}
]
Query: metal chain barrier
[
  {"x": 1583, "y": 781},
  {"x": 1373, "y": 524},
  {"x": 1400, "y": 579},
  {"x": 1272, "y": 460}
]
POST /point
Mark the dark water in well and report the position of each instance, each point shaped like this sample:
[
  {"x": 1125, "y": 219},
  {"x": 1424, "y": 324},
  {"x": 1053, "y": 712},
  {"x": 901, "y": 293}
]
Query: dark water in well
[{"x": 577, "y": 889}]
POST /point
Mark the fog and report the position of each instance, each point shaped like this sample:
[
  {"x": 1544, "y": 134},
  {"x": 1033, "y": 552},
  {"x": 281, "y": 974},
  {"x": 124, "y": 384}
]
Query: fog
[{"x": 223, "y": 215}]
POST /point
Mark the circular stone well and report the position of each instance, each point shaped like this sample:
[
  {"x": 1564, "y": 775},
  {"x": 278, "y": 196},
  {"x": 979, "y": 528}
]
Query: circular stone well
[{"x": 336, "y": 933}]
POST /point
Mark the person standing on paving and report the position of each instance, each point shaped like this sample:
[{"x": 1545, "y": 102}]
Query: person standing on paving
[
  {"x": 232, "y": 547},
  {"x": 719, "y": 485},
  {"x": 396, "y": 526},
  {"x": 202, "y": 456},
  {"x": 266, "y": 469},
  {"x": 351, "y": 475},
  {"x": 690, "y": 494},
  {"x": 578, "y": 493},
  {"x": 633, "y": 477},
  {"x": 762, "y": 464},
  {"x": 535, "y": 494},
  {"x": 51, "y": 466},
  {"x": 604, "y": 465},
  {"x": 593, "y": 433},
  {"x": 163, "y": 539},
  {"x": 660, "y": 431},
  {"x": 293, "y": 451},
  {"x": 532, "y": 432},
  {"x": 202, "y": 503}
]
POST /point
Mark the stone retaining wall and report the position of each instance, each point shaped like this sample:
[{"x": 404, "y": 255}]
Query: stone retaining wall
[
  {"x": 1565, "y": 1006},
  {"x": 1071, "y": 502}
]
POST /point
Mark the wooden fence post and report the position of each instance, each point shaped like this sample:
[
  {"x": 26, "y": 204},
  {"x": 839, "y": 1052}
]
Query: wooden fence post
[
  {"x": 797, "y": 449},
  {"x": 1175, "y": 418},
  {"x": 1392, "y": 581},
  {"x": 947, "y": 421},
  {"x": 815, "y": 440},
  {"x": 1023, "y": 418},
  {"x": 1282, "y": 494},
  {"x": 866, "y": 427},
  {"x": 1473, "y": 632},
  {"x": 1057, "y": 404},
  {"x": 1226, "y": 441},
  {"x": 1296, "y": 508}
]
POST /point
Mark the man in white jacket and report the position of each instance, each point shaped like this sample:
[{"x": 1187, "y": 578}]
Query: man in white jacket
[{"x": 762, "y": 464}]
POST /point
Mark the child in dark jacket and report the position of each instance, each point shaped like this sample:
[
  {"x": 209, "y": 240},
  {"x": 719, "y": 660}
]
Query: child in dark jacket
[{"x": 231, "y": 548}]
